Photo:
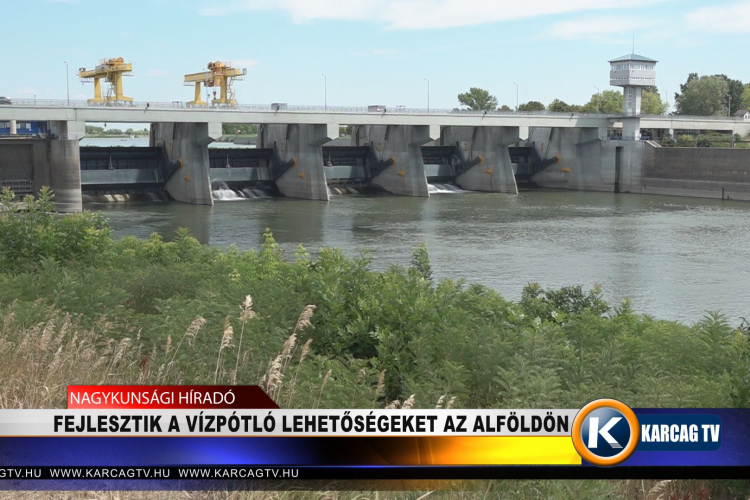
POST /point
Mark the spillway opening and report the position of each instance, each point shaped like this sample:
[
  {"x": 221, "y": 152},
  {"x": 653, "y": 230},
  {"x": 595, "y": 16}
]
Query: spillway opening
[
  {"x": 236, "y": 191},
  {"x": 445, "y": 188},
  {"x": 155, "y": 195}
]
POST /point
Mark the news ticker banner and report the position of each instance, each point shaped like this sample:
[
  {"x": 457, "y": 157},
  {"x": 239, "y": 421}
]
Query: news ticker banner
[{"x": 198, "y": 437}]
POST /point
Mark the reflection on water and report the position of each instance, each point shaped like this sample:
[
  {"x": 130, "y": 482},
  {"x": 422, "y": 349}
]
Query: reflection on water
[{"x": 674, "y": 257}]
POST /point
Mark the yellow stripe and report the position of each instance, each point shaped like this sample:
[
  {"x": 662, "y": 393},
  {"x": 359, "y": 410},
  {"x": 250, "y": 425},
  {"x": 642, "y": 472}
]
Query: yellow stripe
[{"x": 557, "y": 450}]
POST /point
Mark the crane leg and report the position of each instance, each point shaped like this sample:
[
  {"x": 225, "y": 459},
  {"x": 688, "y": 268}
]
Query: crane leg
[
  {"x": 97, "y": 92},
  {"x": 118, "y": 90},
  {"x": 197, "y": 101}
]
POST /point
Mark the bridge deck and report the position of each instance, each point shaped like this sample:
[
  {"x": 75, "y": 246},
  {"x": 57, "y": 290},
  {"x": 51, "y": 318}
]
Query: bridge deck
[{"x": 163, "y": 113}]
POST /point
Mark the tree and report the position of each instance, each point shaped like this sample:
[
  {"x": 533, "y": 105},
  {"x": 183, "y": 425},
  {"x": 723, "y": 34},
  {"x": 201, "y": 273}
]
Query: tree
[
  {"x": 505, "y": 107},
  {"x": 239, "y": 129},
  {"x": 683, "y": 86},
  {"x": 609, "y": 102},
  {"x": 703, "y": 96},
  {"x": 532, "y": 106},
  {"x": 558, "y": 106},
  {"x": 651, "y": 103},
  {"x": 735, "y": 88},
  {"x": 478, "y": 99},
  {"x": 746, "y": 97}
]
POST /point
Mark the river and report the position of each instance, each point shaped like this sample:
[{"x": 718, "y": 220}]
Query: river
[{"x": 675, "y": 258}]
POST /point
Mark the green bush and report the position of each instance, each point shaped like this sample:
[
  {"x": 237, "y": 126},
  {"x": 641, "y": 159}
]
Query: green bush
[{"x": 36, "y": 232}]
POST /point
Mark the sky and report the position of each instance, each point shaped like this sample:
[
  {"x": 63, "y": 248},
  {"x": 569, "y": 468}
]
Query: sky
[{"x": 371, "y": 51}]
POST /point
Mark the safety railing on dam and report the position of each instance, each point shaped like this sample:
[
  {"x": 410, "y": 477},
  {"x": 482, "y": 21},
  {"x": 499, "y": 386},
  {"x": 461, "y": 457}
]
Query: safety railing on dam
[{"x": 395, "y": 110}]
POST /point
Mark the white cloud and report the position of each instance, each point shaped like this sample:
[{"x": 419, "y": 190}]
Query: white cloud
[
  {"x": 601, "y": 28},
  {"x": 421, "y": 14},
  {"x": 157, "y": 72},
  {"x": 724, "y": 19}
]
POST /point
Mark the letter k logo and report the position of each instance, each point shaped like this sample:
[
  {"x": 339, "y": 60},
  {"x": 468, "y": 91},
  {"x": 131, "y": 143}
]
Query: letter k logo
[{"x": 594, "y": 432}]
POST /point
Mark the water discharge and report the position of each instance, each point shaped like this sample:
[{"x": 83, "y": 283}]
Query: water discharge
[
  {"x": 444, "y": 189},
  {"x": 222, "y": 192}
]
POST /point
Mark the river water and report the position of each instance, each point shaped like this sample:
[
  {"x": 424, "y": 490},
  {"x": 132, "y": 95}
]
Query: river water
[{"x": 675, "y": 258}]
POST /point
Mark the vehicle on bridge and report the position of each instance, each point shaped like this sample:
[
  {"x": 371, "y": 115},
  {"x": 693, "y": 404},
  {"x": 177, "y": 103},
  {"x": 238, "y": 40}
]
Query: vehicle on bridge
[{"x": 5, "y": 100}]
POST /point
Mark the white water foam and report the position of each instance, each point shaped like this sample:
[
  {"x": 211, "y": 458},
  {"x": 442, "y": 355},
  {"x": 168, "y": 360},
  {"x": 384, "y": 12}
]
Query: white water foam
[
  {"x": 224, "y": 193},
  {"x": 444, "y": 189}
]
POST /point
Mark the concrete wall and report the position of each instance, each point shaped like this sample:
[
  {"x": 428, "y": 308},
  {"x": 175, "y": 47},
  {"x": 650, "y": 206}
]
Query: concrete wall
[
  {"x": 494, "y": 173},
  {"x": 16, "y": 159},
  {"x": 588, "y": 161},
  {"x": 698, "y": 172},
  {"x": 303, "y": 144},
  {"x": 52, "y": 163},
  {"x": 403, "y": 144},
  {"x": 187, "y": 143}
]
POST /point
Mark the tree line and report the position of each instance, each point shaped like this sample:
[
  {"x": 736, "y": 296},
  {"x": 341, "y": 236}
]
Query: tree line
[
  {"x": 93, "y": 130},
  {"x": 708, "y": 95}
]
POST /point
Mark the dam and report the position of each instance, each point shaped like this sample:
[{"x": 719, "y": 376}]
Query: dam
[{"x": 300, "y": 151}]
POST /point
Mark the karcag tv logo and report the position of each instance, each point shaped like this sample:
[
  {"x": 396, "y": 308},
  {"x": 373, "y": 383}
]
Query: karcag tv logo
[{"x": 605, "y": 432}]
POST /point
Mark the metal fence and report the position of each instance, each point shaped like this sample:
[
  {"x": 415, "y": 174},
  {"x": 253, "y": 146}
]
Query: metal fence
[{"x": 395, "y": 110}]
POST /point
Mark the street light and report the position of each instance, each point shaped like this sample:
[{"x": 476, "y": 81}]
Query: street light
[
  {"x": 597, "y": 98},
  {"x": 325, "y": 92},
  {"x": 428, "y": 95},
  {"x": 67, "y": 81},
  {"x": 514, "y": 83},
  {"x": 729, "y": 109}
]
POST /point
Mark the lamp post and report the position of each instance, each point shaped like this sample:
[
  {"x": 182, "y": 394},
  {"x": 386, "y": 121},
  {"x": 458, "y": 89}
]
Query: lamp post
[
  {"x": 325, "y": 92},
  {"x": 428, "y": 95},
  {"x": 597, "y": 98},
  {"x": 67, "y": 82},
  {"x": 514, "y": 83},
  {"x": 729, "y": 109}
]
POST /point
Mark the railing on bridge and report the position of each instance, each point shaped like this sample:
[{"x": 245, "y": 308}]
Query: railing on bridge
[{"x": 395, "y": 110}]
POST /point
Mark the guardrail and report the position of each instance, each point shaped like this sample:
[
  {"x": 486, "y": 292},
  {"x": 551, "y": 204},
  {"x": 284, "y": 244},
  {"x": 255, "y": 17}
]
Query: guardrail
[{"x": 395, "y": 110}]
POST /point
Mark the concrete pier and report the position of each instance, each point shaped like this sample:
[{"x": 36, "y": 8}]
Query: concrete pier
[
  {"x": 65, "y": 174},
  {"x": 486, "y": 150},
  {"x": 401, "y": 145},
  {"x": 298, "y": 157},
  {"x": 187, "y": 144},
  {"x": 588, "y": 161}
]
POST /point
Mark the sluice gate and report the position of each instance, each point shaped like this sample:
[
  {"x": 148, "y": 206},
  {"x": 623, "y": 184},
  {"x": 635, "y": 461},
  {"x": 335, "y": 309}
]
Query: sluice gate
[{"x": 147, "y": 169}]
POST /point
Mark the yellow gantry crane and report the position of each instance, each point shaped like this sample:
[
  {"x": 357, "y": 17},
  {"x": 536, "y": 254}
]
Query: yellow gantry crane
[
  {"x": 219, "y": 74},
  {"x": 112, "y": 70}
]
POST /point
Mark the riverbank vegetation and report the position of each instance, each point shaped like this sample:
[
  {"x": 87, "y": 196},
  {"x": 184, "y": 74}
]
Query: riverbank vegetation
[
  {"x": 95, "y": 131},
  {"x": 77, "y": 306}
]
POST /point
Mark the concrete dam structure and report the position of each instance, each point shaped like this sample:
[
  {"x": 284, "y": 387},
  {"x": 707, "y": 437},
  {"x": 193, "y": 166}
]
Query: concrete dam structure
[
  {"x": 299, "y": 153},
  {"x": 178, "y": 165}
]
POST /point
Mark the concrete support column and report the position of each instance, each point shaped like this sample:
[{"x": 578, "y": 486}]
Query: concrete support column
[
  {"x": 187, "y": 143},
  {"x": 488, "y": 148},
  {"x": 13, "y": 127},
  {"x": 631, "y": 128},
  {"x": 301, "y": 147},
  {"x": 69, "y": 129},
  {"x": 403, "y": 145},
  {"x": 64, "y": 174}
]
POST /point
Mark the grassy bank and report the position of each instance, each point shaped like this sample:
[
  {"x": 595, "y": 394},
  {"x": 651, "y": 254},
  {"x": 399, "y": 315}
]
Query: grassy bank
[{"x": 80, "y": 307}]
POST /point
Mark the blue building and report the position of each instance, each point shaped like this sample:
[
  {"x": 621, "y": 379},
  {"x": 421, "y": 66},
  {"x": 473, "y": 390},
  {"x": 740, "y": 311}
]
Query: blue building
[{"x": 25, "y": 128}]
